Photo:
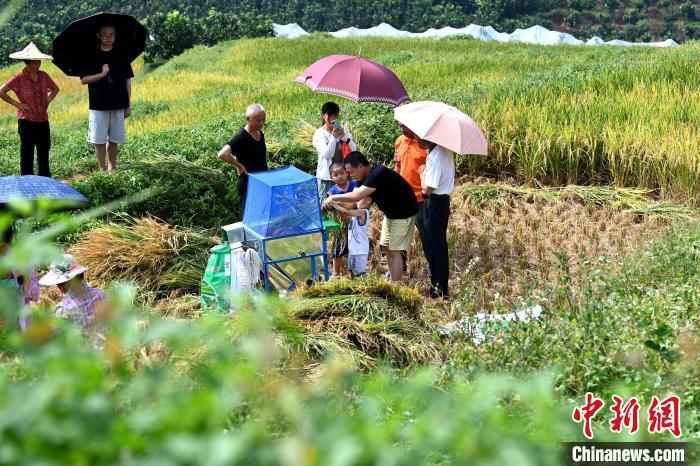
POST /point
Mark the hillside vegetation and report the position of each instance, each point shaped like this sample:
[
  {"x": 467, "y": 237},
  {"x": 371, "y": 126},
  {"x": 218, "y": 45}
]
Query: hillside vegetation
[
  {"x": 634, "y": 20},
  {"x": 553, "y": 115}
]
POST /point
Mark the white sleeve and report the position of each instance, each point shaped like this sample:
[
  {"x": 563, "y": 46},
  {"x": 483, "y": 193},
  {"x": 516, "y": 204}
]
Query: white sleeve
[
  {"x": 325, "y": 149},
  {"x": 431, "y": 176}
]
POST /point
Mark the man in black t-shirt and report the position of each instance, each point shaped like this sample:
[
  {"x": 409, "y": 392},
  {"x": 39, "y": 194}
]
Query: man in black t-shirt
[
  {"x": 107, "y": 74},
  {"x": 393, "y": 195},
  {"x": 247, "y": 150}
]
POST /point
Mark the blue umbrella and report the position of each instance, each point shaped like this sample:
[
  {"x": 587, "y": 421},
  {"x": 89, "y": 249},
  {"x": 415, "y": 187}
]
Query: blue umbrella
[{"x": 32, "y": 187}]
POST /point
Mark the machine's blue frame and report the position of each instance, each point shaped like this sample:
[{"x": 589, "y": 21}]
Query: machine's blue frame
[{"x": 312, "y": 257}]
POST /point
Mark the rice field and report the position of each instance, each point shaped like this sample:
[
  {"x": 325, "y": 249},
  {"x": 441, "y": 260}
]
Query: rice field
[
  {"x": 553, "y": 115},
  {"x": 621, "y": 121}
]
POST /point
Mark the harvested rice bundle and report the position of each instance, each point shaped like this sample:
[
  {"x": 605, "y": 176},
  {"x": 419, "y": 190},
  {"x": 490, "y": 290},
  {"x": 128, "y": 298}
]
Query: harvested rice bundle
[
  {"x": 480, "y": 193},
  {"x": 408, "y": 299},
  {"x": 175, "y": 305},
  {"x": 156, "y": 256},
  {"x": 380, "y": 319}
]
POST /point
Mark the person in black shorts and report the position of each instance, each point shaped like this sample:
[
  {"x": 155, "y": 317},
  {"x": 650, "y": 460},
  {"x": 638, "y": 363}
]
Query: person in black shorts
[{"x": 246, "y": 150}]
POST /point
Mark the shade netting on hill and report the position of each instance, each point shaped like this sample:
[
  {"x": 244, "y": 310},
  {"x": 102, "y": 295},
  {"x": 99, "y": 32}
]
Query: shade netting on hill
[{"x": 282, "y": 202}]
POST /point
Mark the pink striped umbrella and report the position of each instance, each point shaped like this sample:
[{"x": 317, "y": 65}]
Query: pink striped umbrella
[
  {"x": 354, "y": 78},
  {"x": 444, "y": 125}
]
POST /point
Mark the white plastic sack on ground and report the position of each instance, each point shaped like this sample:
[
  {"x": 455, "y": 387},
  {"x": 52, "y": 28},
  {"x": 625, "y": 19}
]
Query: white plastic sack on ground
[{"x": 473, "y": 326}]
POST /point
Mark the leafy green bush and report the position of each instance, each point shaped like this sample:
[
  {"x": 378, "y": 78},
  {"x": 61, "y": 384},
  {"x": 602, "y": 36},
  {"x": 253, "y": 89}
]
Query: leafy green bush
[
  {"x": 217, "y": 27},
  {"x": 173, "y": 33},
  {"x": 688, "y": 10},
  {"x": 581, "y": 5},
  {"x": 182, "y": 193},
  {"x": 573, "y": 17},
  {"x": 631, "y": 16}
]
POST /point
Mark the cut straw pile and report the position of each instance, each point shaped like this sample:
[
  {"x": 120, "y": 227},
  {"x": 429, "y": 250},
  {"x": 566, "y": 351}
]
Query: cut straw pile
[
  {"x": 363, "y": 321},
  {"x": 157, "y": 257},
  {"x": 634, "y": 200}
]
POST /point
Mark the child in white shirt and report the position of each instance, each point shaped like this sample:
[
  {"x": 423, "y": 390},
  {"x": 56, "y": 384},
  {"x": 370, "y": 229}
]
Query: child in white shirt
[{"x": 358, "y": 238}]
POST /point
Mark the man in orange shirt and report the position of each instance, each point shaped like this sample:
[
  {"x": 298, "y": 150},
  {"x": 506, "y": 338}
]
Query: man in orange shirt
[{"x": 409, "y": 158}]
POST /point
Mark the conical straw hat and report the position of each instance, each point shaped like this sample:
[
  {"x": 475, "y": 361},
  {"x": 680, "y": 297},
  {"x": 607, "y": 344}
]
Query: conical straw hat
[
  {"x": 30, "y": 52},
  {"x": 62, "y": 271}
]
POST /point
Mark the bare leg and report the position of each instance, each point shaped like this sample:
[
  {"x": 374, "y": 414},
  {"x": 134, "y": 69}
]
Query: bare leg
[
  {"x": 395, "y": 260},
  {"x": 112, "y": 149},
  {"x": 100, "y": 151},
  {"x": 336, "y": 266}
]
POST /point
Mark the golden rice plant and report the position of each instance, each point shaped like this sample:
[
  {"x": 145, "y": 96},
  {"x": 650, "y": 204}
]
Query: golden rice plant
[
  {"x": 152, "y": 254},
  {"x": 510, "y": 243}
]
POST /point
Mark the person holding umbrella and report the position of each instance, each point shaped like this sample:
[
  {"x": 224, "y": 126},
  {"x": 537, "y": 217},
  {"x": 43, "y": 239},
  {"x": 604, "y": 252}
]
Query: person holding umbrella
[
  {"x": 331, "y": 141},
  {"x": 442, "y": 130},
  {"x": 437, "y": 182},
  {"x": 99, "y": 49},
  {"x": 107, "y": 73},
  {"x": 35, "y": 90}
]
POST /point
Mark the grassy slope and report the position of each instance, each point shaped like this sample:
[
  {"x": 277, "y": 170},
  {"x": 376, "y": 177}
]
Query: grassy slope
[
  {"x": 553, "y": 114},
  {"x": 8, "y": 9}
]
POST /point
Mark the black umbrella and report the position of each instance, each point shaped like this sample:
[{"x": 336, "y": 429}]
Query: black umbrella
[{"x": 79, "y": 38}]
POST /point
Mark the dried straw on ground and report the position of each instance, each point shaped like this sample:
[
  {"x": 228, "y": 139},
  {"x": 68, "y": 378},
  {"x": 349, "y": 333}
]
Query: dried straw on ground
[
  {"x": 510, "y": 241},
  {"x": 156, "y": 256}
]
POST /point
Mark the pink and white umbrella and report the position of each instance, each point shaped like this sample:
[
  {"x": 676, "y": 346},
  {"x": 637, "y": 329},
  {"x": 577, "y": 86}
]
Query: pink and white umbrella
[
  {"x": 354, "y": 78},
  {"x": 444, "y": 125}
]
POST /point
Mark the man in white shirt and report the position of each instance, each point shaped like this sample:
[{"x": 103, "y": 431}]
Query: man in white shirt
[
  {"x": 328, "y": 142},
  {"x": 437, "y": 182}
]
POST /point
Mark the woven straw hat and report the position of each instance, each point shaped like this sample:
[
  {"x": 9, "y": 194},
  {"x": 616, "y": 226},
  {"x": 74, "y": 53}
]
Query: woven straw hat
[
  {"x": 30, "y": 52},
  {"x": 63, "y": 271}
]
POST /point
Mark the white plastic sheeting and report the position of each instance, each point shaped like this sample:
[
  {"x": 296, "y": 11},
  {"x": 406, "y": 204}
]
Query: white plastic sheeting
[{"x": 533, "y": 35}]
